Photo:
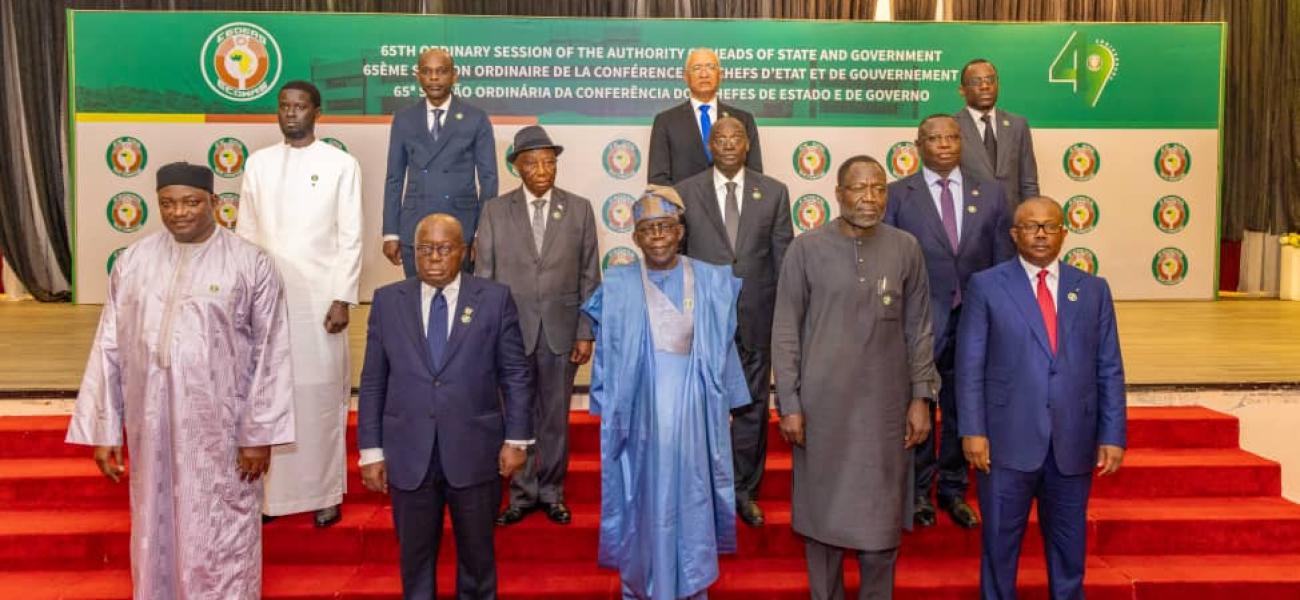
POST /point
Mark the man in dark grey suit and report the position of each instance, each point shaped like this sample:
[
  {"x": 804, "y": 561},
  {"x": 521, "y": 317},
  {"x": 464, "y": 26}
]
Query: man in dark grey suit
[
  {"x": 541, "y": 241},
  {"x": 740, "y": 217},
  {"x": 679, "y": 138},
  {"x": 995, "y": 144}
]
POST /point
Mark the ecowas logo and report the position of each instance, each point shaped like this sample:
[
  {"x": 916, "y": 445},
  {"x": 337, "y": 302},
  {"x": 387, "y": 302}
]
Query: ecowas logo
[
  {"x": 1173, "y": 161},
  {"x": 618, "y": 213},
  {"x": 621, "y": 158},
  {"x": 240, "y": 62},
  {"x": 812, "y": 159},
  {"x": 227, "y": 210},
  {"x": 1081, "y": 161},
  {"x": 1082, "y": 259},
  {"x": 810, "y": 212},
  {"x": 1171, "y": 214},
  {"x": 127, "y": 212},
  {"x": 126, "y": 156},
  {"x": 1087, "y": 64},
  {"x": 618, "y": 255},
  {"x": 1081, "y": 214},
  {"x": 902, "y": 159},
  {"x": 1169, "y": 266},
  {"x": 226, "y": 157}
]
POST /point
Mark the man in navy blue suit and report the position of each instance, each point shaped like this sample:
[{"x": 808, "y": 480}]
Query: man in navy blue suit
[
  {"x": 1040, "y": 392},
  {"x": 961, "y": 222},
  {"x": 436, "y": 150},
  {"x": 445, "y": 409}
]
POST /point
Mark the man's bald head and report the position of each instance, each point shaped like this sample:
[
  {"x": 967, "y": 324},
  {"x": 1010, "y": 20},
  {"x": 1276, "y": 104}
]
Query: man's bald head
[
  {"x": 436, "y": 72},
  {"x": 1036, "y": 204},
  {"x": 729, "y": 144},
  {"x": 439, "y": 249},
  {"x": 438, "y": 52}
]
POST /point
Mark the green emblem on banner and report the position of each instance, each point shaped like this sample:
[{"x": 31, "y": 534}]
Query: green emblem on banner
[
  {"x": 1081, "y": 214},
  {"x": 227, "y": 210},
  {"x": 127, "y": 212},
  {"x": 621, "y": 159},
  {"x": 1171, "y": 214},
  {"x": 226, "y": 157},
  {"x": 617, "y": 213},
  {"x": 126, "y": 156},
  {"x": 810, "y": 211},
  {"x": 240, "y": 62},
  {"x": 1082, "y": 259},
  {"x": 812, "y": 159},
  {"x": 1169, "y": 266},
  {"x": 1173, "y": 161},
  {"x": 902, "y": 159},
  {"x": 337, "y": 143},
  {"x": 618, "y": 255},
  {"x": 112, "y": 259},
  {"x": 1081, "y": 161},
  {"x": 1086, "y": 64}
]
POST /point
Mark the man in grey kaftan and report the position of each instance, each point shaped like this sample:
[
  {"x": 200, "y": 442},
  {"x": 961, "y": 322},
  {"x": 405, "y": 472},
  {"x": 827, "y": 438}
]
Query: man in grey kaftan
[
  {"x": 192, "y": 359},
  {"x": 851, "y": 346}
]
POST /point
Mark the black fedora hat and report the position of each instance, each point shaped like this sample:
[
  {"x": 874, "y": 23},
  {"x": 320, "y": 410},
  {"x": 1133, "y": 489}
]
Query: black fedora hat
[{"x": 532, "y": 137}]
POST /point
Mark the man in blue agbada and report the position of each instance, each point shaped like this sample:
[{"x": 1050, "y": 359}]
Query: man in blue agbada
[{"x": 665, "y": 377}]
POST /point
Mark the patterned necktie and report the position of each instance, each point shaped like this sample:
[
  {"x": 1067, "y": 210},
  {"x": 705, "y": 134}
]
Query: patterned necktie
[
  {"x": 948, "y": 212},
  {"x": 1048, "y": 309},
  {"x": 706, "y": 125},
  {"x": 436, "y": 332},
  {"x": 539, "y": 223},
  {"x": 437, "y": 123},
  {"x": 732, "y": 219},
  {"x": 990, "y": 141}
]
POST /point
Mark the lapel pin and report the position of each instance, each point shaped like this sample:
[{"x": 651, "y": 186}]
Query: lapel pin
[
  {"x": 971, "y": 209},
  {"x": 467, "y": 315},
  {"x": 975, "y": 193},
  {"x": 459, "y": 116},
  {"x": 688, "y": 304},
  {"x": 1006, "y": 123},
  {"x": 887, "y": 300},
  {"x": 726, "y": 114},
  {"x": 555, "y": 215},
  {"x": 757, "y": 195},
  {"x": 314, "y": 179},
  {"x": 1072, "y": 297},
  {"x": 214, "y": 288}
]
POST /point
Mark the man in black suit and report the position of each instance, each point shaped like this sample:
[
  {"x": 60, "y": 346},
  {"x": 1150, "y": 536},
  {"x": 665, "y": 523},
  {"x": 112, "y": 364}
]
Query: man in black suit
[
  {"x": 961, "y": 222},
  {"x": 740, "y": 217},
  {"x": 679, "y": 139}
]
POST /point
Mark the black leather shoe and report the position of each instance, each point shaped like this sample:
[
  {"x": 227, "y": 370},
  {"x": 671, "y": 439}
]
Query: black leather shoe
[
  {"x": 329, "y": 516},
  {"x": 750, "y": 513},
  {"x": 558, "y": 513},
  {"x": 923, "y": 513},
  {"x": 962, "y": 514},
  {"x": 514, "y": 514}
]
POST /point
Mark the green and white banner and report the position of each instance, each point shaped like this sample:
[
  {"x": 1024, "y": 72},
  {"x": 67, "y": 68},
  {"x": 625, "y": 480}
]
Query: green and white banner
[{"x": 1126, "y": 118}]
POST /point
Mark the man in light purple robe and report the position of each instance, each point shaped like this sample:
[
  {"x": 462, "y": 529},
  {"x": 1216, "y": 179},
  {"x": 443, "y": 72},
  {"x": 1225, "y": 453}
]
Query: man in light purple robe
[{"x": 192, "y": 359}]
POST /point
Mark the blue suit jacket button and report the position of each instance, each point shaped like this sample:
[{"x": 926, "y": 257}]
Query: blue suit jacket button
[{"x": 424, "y": 170}]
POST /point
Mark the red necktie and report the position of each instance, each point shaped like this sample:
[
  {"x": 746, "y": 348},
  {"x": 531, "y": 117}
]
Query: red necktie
[{"x": 1048, "y": 309}]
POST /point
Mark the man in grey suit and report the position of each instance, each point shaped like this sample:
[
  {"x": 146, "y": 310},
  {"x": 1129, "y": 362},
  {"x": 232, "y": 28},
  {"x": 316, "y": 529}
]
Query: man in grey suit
[
  {"x": 679, "y": 138},
  {"x": 737, "y": 216},
  {"x": 541, "y": 242},
  {"x": 995, "y": 144}
]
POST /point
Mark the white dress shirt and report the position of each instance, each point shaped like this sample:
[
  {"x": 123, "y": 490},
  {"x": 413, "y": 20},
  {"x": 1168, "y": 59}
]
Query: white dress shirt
[
  {"x": 445, "y": 107},
  {"x": 713, "y": 112},
  {"x": 720, "y": 186},
  {"x": 978, "y": 116},
  {"x": 954, "y": 185},
  {"x": 451, "y": 293},
  {"x": 1053, "y": 277}
]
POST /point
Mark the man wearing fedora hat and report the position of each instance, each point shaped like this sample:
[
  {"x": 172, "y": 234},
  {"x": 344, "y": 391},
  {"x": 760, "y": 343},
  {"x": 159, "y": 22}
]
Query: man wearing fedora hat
[{"x": 541, "y": 242}]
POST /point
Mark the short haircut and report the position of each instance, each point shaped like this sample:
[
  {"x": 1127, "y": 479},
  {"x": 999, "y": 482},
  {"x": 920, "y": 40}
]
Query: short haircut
[
  {"x": 973, "y": 62},
  {"x": 304, "y": 86},
  {"x": 931, "y": 118},
  {"x": 849, "y": 162}
]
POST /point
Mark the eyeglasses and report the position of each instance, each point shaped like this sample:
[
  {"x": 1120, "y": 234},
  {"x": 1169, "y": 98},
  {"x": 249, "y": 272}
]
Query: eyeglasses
[
  {"x": 656, "y": 228},
  {"x": 1034, "y": 228},
  {"x": 974, "y": 81},
  {"x": 442, "y": 250},
  {"x": 701, "y": 68}
]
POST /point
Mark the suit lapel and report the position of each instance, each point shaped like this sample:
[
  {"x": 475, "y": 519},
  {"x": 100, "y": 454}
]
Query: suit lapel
[
  {"x": 690, "y": 123},
  {"x": 970, "y": 131},
  {"x": 558, "y": 210},
  {"x": 413, "y": 319},
  {"x": 521, "y": 216},
  {"x": 1002, "y": 130},
  {"x": 973, "y": 198},
  {"x": 709, "y": 198},
  {"x": 450, "y": 125},
  {"x": 466, "y": 299},
  {"x": 1016, "y": 284},
  {"x": 1066, "y": 308},
  {"x": 751, "y": 199},
  {"x": 919, "y": 192}
]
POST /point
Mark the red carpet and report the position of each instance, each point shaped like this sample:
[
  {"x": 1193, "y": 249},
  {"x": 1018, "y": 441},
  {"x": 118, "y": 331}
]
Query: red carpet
[{"x": 1191, "y": 516}]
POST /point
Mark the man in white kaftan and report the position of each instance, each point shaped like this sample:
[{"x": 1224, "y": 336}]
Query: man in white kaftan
[
  {"x": 192, "y": 359},
  {"x": 301, "y": 202}
]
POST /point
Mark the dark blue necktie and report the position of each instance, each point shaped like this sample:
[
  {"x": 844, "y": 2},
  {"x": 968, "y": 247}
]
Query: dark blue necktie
[
  {"x": 437, "y": 123},
  {"x": 436, "y": 332},
  {"x": 706, "y": 124}
]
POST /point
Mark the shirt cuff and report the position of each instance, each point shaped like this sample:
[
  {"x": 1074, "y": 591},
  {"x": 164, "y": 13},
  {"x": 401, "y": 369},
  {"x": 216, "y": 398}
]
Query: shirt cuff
[
  {"x": 370, "y": 456},
  {"x": 392, "y": 238},
  {"x": 925, "y": 389},
  {"x": 520, "y": 442}
]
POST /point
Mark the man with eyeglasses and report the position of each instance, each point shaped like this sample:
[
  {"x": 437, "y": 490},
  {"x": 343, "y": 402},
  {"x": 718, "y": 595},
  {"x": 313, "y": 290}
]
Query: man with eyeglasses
[
  {"x": 1040, "y": 390},
  {"x": 441, "y": 159},
  {"x": 851, "y": 347},
  {"x": 445, "y": 410},
  {"x": 679, "y": 138},
  {"x": 996, "y": 144},
  {"x": 664, "y": 381},
  {"x": 961, "y": 221}
]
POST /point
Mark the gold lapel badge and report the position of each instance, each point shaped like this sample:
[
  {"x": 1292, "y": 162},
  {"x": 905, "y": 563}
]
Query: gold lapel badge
[
  {"x": 1072, "y": 297},
  {"x": 971, "y": 209},
  {"x": 1006, "y": 123},
  {"x": 467, "y": 315},
  {"x": 975, "y": 193},
  {"x": 459, "y": 116},
  {"x": 757, "y": 195}
]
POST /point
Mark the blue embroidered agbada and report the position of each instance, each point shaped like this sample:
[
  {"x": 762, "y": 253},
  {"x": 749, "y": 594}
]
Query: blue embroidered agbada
[{"x": 664, "y": 379}]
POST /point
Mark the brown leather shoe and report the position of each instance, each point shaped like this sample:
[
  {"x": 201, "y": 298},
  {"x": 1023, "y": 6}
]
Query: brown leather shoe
[{"x": 750, "y": 513}]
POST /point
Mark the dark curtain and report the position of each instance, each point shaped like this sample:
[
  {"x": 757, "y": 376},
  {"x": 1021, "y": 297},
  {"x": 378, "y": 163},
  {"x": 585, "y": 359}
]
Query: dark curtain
[
  {"x": 1261, "y": 116},
  {"x": 914, "y": 10}
]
